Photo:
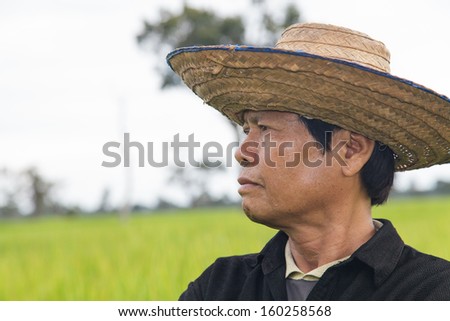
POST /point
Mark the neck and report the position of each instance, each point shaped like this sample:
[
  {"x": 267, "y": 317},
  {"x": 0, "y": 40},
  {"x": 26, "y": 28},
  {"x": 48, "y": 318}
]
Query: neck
[{"x": 330, "y": 236}]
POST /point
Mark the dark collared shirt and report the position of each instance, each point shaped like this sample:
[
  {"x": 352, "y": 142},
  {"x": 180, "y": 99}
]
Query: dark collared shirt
[{"x": 383, "y": 268}]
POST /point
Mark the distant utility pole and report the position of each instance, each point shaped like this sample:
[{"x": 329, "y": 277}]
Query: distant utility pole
[{"x": 124, "y": 210}]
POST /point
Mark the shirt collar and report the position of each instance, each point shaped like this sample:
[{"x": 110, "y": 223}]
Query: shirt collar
[
  {"x": 382, "y": 252},
  {"x": 293, "y": 272}
]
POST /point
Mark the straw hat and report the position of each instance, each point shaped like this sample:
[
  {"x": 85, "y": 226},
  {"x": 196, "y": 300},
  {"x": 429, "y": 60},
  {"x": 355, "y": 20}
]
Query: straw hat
[{"x": 325, "y": 72}]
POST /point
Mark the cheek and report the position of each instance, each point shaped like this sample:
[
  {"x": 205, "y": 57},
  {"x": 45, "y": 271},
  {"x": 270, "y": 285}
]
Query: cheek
[
  {"x": 289, "y": 183},
  {"x": 283, "y": 171},
  {"x": 284, "y": 155},
  {"x": 285, "y": 184}
]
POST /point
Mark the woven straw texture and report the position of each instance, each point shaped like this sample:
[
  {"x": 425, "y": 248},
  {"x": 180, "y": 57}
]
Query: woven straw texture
[{"x": 330, "y": 73}]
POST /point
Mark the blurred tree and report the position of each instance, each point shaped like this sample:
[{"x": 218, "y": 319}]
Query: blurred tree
[
  {"x": 194, "y": 26},
  {"x": 10, "y": 192},
  {"x": 190, "y": 27},
  {"x": 9, "y": 207},
  {"x": 26, "y": 192},
  {"x": 40, "y": 191},
  {"x": 274, "y": 27},
  {"x": 442, "y": 188}
]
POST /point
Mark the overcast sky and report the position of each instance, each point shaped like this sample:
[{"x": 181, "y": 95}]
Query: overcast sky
[{"x": 73, "y": 78}]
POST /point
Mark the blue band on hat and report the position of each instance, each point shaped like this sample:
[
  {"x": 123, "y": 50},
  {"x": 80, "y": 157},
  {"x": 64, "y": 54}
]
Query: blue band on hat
[{"x": 300, "y": 53}]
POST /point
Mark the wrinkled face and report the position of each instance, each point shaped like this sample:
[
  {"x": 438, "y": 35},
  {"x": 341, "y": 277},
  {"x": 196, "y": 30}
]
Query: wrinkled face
[{"x": 285, "y": 175}]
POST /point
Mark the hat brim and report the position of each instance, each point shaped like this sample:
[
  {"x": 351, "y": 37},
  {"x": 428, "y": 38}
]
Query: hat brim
[{"x": 409, "y": 118}]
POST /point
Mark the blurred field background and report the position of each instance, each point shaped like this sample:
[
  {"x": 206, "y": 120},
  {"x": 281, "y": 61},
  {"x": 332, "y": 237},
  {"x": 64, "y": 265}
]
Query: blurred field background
[{"x": 154, "y": 256}]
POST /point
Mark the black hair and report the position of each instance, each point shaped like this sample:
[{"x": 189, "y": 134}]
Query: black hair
[{"x": 377, "y": 174}]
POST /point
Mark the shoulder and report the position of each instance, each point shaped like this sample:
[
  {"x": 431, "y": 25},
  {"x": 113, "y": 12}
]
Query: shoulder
[
  {"x": 232, "y": 267},
  {"x": 240, "y": 276},
  {"x": 429, "y": 274},
  {"x": 423, "y": 262},
  {"x": 221, "y": 280}
]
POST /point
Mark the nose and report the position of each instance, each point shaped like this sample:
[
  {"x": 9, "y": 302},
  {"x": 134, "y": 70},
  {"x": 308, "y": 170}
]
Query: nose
[
  {"x": 247, "y": 153},
  {"x": 240, "y": 157}
]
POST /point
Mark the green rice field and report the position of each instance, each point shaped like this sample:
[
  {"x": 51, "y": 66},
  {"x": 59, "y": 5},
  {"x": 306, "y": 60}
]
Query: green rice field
[{"x": 154, "y": 256}]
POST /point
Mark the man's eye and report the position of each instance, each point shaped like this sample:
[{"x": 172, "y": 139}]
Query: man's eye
[
  {"x": 263, "y": 127},
  {"x": 245, "y": 130}
]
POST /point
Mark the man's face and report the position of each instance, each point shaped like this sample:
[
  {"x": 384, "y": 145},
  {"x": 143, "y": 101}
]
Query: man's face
[{"x": 285, "y": 174}]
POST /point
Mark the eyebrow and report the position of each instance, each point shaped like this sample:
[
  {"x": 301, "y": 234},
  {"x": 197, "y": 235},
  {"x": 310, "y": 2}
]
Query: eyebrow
[{"x": 253, "y": 119}]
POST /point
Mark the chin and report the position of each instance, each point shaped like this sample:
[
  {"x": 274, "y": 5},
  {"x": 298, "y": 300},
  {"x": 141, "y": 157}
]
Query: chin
[{"x": 259, "y": 216}]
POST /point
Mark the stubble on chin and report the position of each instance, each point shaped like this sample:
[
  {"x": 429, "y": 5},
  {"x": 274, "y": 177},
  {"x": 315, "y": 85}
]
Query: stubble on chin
[
  {"x": 258, "y": 218},
  {"x": 250, "y": 214}
]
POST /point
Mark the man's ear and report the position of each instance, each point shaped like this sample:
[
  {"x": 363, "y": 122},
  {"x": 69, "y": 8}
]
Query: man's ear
[{"x": 356, "y": 151}]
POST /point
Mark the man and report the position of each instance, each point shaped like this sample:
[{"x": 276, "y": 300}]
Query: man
[{"x": 326, "y": 126}]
